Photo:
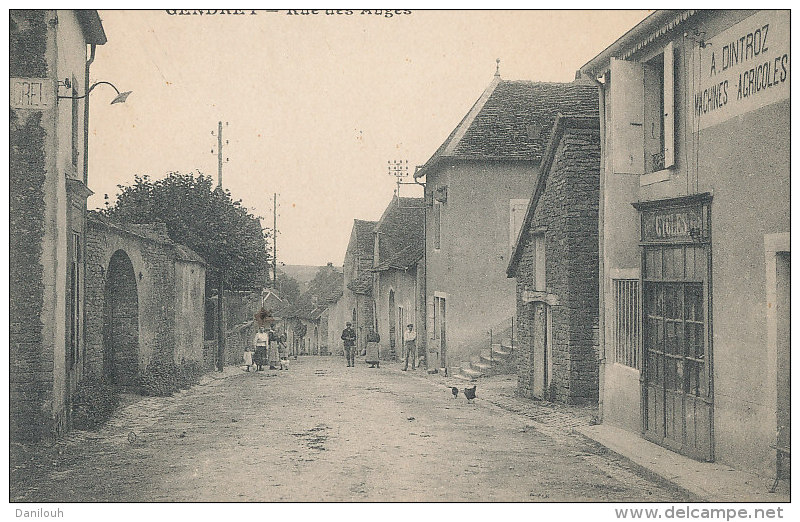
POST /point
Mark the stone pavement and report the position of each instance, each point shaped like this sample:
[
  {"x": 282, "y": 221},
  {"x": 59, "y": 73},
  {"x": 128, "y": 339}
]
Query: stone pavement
[
  {"x": 324, "y": 432},
  {"x": 709, "y": 481}
]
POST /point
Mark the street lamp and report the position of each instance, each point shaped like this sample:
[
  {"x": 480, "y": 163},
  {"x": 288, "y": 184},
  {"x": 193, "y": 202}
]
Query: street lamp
[{"x": 120, "y": 98}]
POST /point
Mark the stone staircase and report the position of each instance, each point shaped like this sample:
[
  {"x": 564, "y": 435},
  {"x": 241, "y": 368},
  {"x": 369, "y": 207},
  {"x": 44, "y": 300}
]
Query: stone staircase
[{"x": 498, "y": 360}]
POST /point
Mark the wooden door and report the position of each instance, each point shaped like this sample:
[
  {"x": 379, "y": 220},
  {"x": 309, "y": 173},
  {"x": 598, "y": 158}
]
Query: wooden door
[
  {"x": 539, "y": 335},
  {"x": 443, "y": 330},
  {"x": 677, "y": 395}
]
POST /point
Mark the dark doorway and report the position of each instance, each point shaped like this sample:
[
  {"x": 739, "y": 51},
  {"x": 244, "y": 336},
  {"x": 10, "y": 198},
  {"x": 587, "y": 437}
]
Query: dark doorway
[{"x": 121, "y": 322}]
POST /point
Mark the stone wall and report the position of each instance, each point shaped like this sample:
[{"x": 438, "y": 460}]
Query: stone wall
[
  {"x": 567, "y": 213},
  {"x": 144, "y": 300},
  {"x": 189, "y": 311},
  {"x": 30, "y": 386}
]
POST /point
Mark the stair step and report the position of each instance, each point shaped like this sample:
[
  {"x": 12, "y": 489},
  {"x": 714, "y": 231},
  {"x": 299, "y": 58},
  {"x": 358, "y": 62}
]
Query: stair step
[
  {"x": 492, "y": 361},
  {"x": 469, "y": 372},
  {"x": 481, "y": 366}
]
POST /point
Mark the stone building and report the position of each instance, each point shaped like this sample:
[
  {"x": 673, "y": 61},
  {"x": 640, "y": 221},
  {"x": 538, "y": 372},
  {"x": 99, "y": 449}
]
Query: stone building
[
  {"x": 145, "y": 300},
  {"x": 338, "y": 313},
  {"x": 48, "y": 177},
  {"x": 555, "y": 265},
  {"x": 357, "y": 297},
  {"x": 477, "y": 186},
  {"x": 399, "y": 270},
  {"x": 694, "y": 234},
  {"x": 306, "y": 332}
]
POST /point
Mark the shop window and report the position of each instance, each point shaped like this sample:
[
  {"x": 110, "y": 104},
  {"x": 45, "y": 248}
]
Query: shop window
[
  {"x": 626, "y": 323},
  {"x": 674, "y": 312}
]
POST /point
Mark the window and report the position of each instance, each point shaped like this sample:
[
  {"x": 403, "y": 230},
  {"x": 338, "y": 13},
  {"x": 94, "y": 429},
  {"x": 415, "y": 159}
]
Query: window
[
  {"x": 75, "y": 124},
  {"x": 659, "y": 104},
  {"x": 641, "y": 107},
  {"x": 540, "y": 267},
  {"x": 75, "y": 309},
  {"x": 437, "y": 225},
  {"x": 517, "y": 215},
  {"x": 626, "y": 323},
  {"x": 438, "y": 316},
  {"x": 674, "y": 304}
]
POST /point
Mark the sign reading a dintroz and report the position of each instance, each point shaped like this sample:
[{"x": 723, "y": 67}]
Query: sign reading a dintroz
[{"x": 744, "y": 68}]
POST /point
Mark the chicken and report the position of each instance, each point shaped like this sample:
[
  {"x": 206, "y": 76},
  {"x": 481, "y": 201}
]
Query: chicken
[
  {"x": 455, "y": 391},
  {"x": 469, "y": 393}
]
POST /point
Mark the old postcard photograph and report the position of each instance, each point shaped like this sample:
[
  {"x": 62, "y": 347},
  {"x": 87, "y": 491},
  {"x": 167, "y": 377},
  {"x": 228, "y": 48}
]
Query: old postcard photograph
[{"x": 400, "y": 255}]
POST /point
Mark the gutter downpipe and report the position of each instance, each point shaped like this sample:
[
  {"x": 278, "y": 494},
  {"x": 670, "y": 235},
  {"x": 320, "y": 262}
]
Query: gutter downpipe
[
  {"x": 86, "y": 119},
  {"x": 601, "y": 334},
  {"x": 424, "y": 278}
]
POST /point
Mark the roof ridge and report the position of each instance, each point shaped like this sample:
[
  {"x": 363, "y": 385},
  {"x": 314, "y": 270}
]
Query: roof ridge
[{"x": 450, "y": 137}]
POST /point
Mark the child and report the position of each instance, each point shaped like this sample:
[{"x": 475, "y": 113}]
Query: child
[
  {"x": 248, "y": 357},
  {"x": 284, "y": 355}
]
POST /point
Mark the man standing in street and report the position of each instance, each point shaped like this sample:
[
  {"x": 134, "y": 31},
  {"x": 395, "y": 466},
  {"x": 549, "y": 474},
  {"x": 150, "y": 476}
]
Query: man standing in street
[
  {"x": 410, "y": 347},
  {"x": 349, "y": 338}
]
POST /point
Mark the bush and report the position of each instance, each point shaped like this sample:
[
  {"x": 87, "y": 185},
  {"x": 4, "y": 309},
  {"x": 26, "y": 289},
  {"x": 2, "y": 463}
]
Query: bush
[
  {"x": 158, "y": 380},
  {"x": 189, "y": 374},
  {"x": 93, "y": 403},
  {"x": 163, "y": 379}
]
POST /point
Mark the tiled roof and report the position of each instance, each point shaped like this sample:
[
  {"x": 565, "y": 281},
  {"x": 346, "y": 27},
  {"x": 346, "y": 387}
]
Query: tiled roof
[
  {"x": 400, "y": 227},
  {"x": 404, "y": 259},
  {"x": 561, "y": 126},
  {"x": 512, "y": 120},
  {"x": 364, "y": 239},
  {"x": 362, "y": 285},
  {"x": 311, "y": 312}
]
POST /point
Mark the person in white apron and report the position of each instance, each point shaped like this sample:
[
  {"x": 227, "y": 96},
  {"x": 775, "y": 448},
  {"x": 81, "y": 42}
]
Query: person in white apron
[{"x": 261, "y": 341}]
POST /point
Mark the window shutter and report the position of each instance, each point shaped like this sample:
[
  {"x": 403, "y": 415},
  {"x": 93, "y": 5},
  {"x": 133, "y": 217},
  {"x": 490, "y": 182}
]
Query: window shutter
[
  {"x": 517, "y": 214},
  {"x": 627, "y": 117},
  {"x": 669, "y": 106}
]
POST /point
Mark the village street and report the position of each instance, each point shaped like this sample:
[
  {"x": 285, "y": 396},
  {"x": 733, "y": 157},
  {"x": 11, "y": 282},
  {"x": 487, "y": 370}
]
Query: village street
[{"x": 325, "y": 432}]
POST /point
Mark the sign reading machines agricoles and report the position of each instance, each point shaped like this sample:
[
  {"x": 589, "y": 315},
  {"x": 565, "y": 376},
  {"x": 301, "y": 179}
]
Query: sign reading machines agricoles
[{"x": 744, "y": 68}]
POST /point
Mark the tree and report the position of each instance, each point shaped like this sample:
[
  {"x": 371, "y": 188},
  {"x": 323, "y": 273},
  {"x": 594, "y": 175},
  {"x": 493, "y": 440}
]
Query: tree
[
  {"x": 288, "y": 288},
  {"x": 325, "y": 288},
  {"x": 205, "y": 219}
]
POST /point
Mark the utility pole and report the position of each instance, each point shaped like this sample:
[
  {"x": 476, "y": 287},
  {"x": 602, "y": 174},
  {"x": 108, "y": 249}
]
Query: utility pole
[
  {"x": 220, "y": 269},
  {"x": 275, "y": 240},
  {"x": 219, "y": 155},
  {"x": 399, "y": 169}
]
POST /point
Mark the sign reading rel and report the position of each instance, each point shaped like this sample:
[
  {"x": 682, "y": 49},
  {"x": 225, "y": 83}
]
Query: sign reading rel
[{"x": 30, "y": 93}]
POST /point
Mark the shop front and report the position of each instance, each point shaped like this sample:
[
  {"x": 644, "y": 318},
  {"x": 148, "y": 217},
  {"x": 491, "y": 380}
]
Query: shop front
[{"x": 676, "y": 381}]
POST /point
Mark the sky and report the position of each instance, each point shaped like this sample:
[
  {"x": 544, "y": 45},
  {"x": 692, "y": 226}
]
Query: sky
[{"x": 313, "y": 106}]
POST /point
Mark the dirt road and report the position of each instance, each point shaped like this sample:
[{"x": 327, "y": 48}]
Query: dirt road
[{"x": 325, "y": 432}]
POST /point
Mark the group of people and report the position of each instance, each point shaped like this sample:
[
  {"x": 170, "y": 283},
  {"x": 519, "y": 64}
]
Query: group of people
[
  {"x": 270, "y": 350},
  {"x": 372, "y": 350}
]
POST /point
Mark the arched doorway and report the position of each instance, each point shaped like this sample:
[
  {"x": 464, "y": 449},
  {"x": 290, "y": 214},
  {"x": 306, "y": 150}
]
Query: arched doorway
[
  {"x": 392, "y": 327},
  {"x": 121, "y": 321}
]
